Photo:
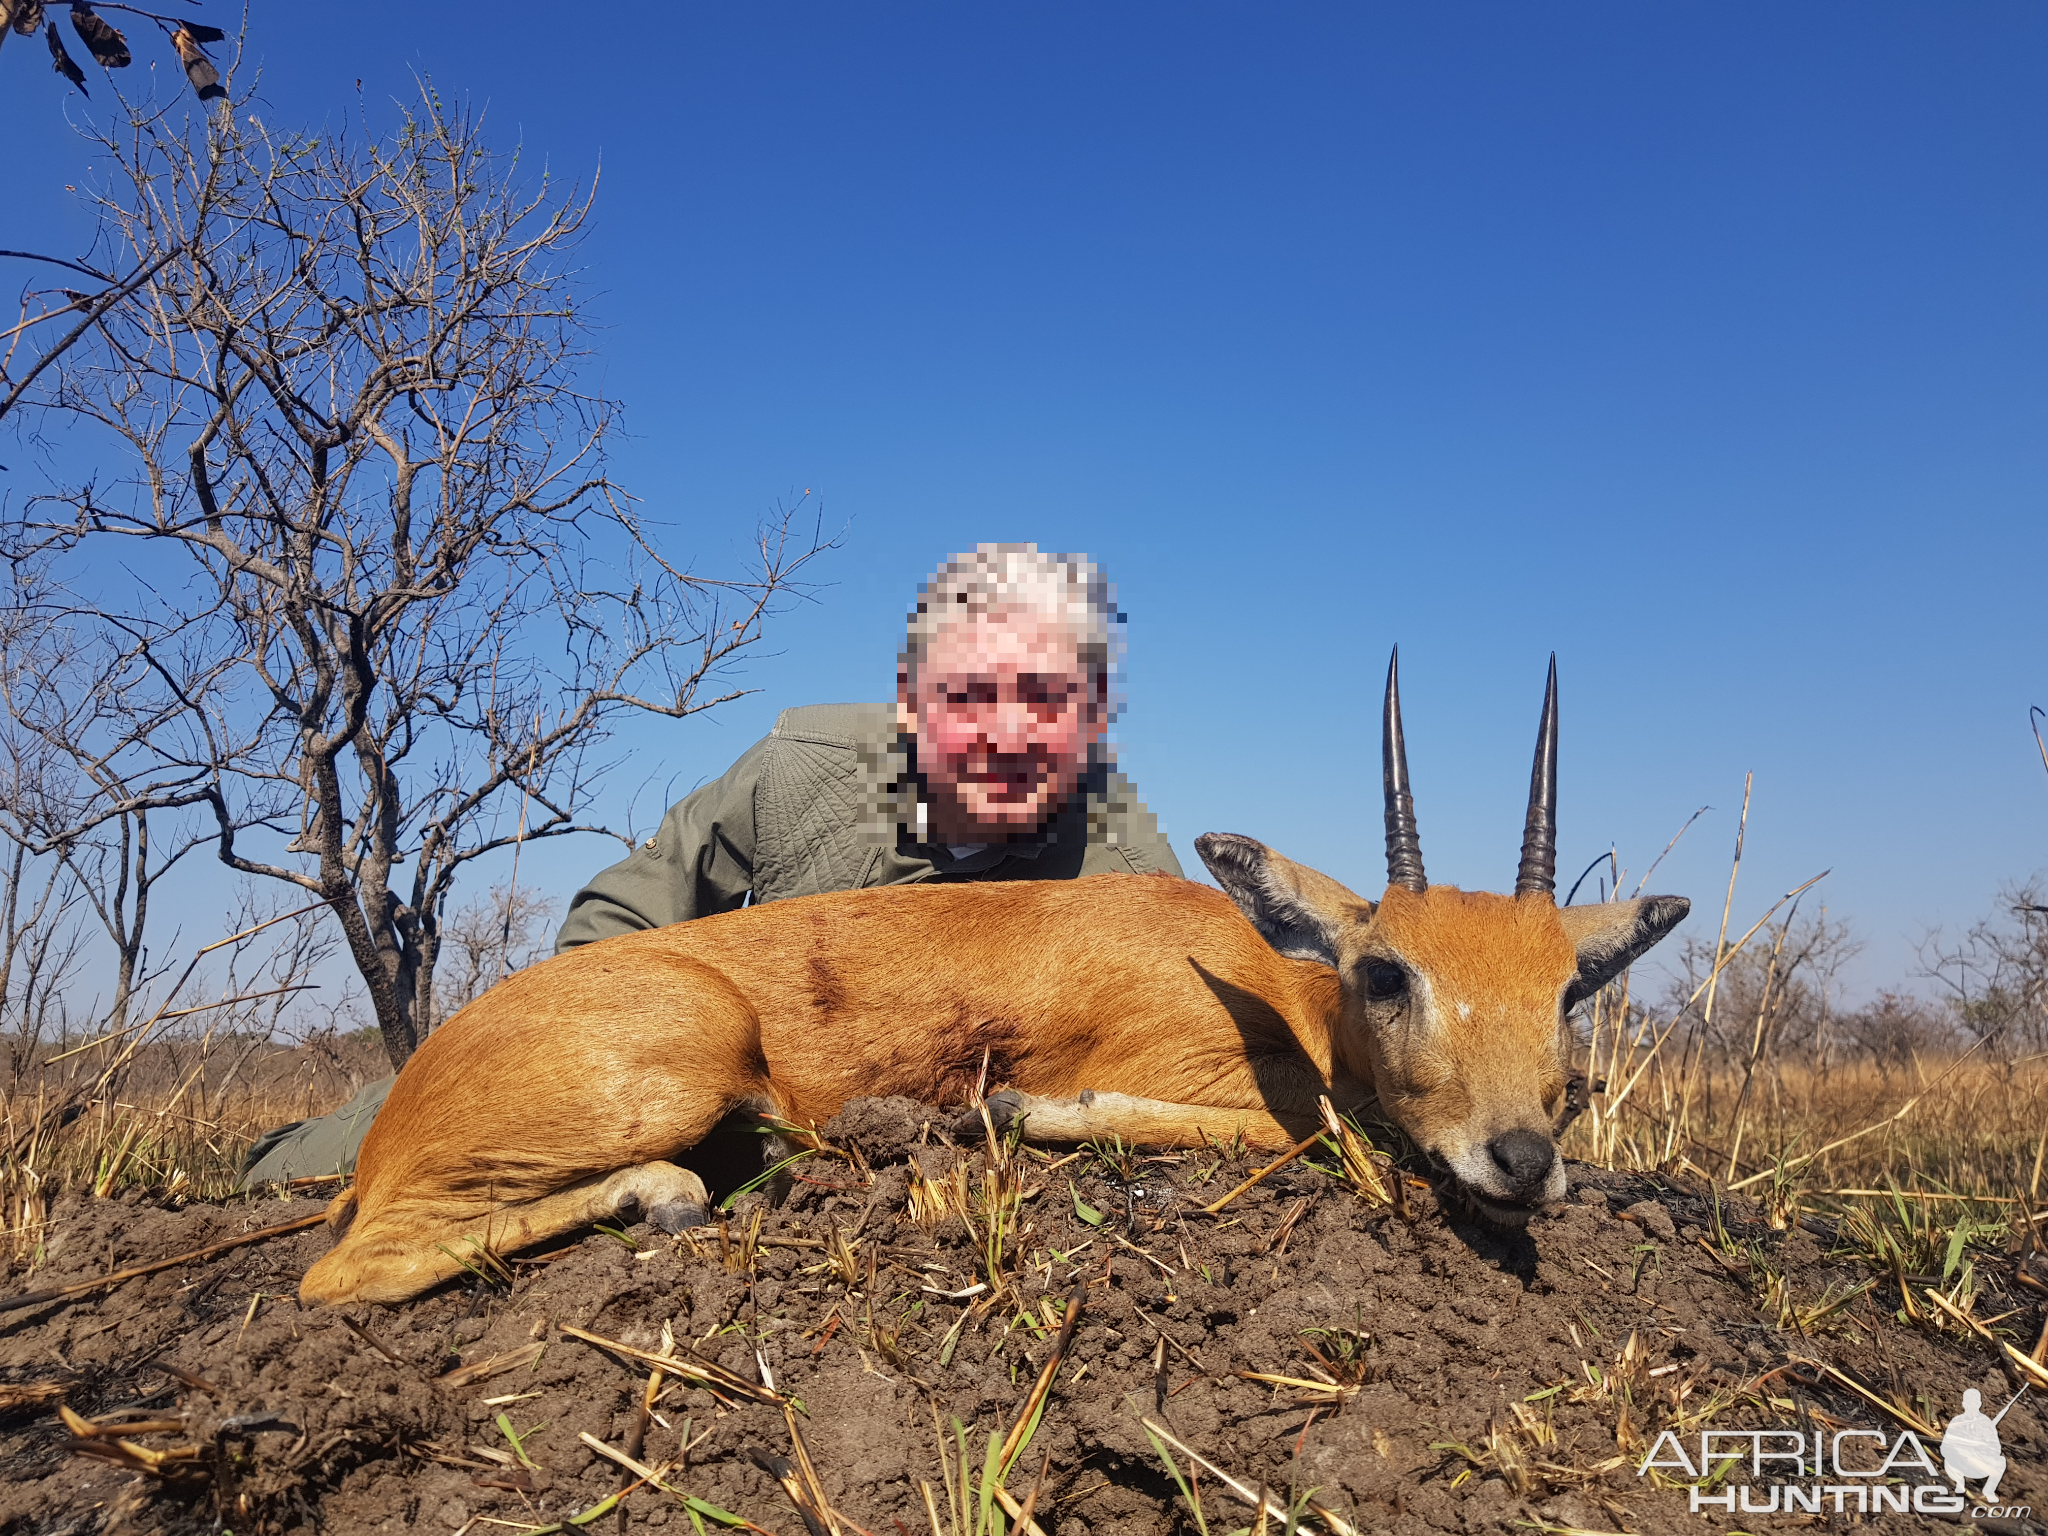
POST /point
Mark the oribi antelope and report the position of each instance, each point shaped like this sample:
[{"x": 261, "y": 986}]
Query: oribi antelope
[{"x": 1143, "y": 1007}]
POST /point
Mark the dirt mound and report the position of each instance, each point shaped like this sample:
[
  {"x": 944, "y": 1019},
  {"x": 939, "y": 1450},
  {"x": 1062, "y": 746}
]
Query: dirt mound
[{"x": 1419, "y": 1371}]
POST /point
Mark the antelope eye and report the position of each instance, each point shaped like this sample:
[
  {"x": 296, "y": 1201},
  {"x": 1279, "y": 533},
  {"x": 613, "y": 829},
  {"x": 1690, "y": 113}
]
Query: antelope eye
[{"x": 1384, "y": 980}]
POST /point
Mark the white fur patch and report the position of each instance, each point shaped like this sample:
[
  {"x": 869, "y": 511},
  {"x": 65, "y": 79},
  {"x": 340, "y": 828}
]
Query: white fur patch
[{"x": 1475, "y": 1169}]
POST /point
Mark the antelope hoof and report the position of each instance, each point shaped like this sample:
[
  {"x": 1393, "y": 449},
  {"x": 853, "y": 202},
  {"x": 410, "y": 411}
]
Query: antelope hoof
[
  {"x": 1005, "y": 1112},
  {"x": 673, "y": 1216}
]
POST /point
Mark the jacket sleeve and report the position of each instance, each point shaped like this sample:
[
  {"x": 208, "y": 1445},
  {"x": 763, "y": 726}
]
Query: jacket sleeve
[
  {"x": 1160, "y": 853},
  {"x": 1145, "y": 851},
  {"x": 700, "y": 861},
  {"x": 1137, "y": 838}
]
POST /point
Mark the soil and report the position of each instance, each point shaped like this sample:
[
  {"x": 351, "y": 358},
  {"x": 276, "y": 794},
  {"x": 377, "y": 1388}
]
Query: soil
[{"x": 1503, "y": 1381}]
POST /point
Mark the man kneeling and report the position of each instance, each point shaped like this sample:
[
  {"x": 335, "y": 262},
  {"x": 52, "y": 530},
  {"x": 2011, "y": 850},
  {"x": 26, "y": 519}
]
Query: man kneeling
[{"x": 992, "y": 764}]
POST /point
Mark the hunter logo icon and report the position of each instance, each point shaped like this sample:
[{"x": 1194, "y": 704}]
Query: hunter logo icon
[
  {"x": 1849, "y": 1471},
  {"x": 1969, "y": 1446}
]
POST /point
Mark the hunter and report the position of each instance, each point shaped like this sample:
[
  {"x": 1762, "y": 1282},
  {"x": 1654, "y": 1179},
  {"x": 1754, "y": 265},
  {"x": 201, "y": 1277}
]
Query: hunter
[{"x": 992, "y": 764}]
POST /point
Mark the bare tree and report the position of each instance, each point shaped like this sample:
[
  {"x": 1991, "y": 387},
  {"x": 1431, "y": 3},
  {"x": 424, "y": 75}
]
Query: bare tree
[
  {"x": 489, "y": 938},
  {"x": 94, "y": 751},
  {"x": 1775, "y": 997},
  {"x": 1996, "y": 975},
  {"x": 40, "y": 942},
  {"x": 55, "y": 318},
  {"x": 259, "y": 988},
  {"x": 39, "y": 948},
  {"x": 369, "y": 486},
  {"x": 1896, "y": 1027}
]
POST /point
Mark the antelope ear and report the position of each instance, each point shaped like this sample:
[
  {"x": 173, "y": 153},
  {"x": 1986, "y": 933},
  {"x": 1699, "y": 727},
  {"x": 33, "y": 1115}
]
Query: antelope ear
[
  {"x": 1296, "y": 910},
  {"x": 1610, "y": 935}
]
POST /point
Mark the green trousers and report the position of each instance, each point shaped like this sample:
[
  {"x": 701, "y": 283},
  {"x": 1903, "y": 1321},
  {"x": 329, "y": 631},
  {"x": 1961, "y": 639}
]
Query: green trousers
[{"x": 308, "y": 1148}]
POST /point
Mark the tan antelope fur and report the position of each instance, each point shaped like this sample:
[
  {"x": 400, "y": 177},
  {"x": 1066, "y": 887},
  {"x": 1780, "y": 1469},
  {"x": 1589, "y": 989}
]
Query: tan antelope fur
[{"x": 1144, "y": 1007}]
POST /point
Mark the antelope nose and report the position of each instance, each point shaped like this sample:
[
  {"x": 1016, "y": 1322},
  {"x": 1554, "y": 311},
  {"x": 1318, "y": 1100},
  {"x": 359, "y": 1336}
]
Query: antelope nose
[{"x": 1523, "y": 1158}]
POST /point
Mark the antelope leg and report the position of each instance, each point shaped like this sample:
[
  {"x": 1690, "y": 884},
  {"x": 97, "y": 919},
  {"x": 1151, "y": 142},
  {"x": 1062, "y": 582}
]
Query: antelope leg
[{"x": 1147, "y": 1122}]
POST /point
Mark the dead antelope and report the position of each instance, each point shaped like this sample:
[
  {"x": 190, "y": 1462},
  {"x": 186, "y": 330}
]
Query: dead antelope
[{"x": 1152, "y": 1009}]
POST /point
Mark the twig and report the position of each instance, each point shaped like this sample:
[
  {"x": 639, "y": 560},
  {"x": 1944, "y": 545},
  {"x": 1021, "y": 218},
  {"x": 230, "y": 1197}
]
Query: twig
[
  {"x": 814, "y": 1489},
  {"x": 88, "y": 1429},
  {"x": 192, "y": 1379},
  {"x": 815, "y": 1515},
  {"x": 1014, "y": 1441},
  {"x": 1258, "y": 1501},
  {"x": 58, "y": 261},
  {"x": 1299, "y": 1383},
  {"x": 377, "y": 1345},
  {"x": 698, "y": 1370},
  {"x": 1910, "y": 1420},
  {"x": 1123, "y": 1242},
  {"x": 1023, "y": 1516},
  {"x": 1018, "y": 1513},
  {"x": 1708, "y": 1248},
  {"x": 2030, "y": 1371},
  {"x": 467, "y": 1375},
  {"x": 636, "y": 1439},
  {"x": 639, "y": 1469},
  {"x": 1271, "y": 1168},
  {"x": 1277, "y": 1243},
  {"x": 518, "y": 843},
  {"x": 137, "y": 1271},
  {"x": 177, "y": 1013},
  {"x": 1695, "y": 816},
  {"x": 1178, "y": 1348}
]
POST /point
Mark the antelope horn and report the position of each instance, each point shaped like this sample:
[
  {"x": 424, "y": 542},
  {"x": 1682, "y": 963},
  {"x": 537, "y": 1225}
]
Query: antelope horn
[
  {"x": 1404, "y": 846},
  {"x": 1538, "y": 874}
]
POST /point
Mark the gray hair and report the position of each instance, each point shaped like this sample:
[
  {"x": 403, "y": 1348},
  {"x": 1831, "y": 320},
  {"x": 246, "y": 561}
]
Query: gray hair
[{"x": 995, "y": 579}]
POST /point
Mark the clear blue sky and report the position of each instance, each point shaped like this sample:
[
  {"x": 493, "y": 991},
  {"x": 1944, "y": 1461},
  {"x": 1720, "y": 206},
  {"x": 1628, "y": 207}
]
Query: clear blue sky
[{"x": 1702, "y": 344}]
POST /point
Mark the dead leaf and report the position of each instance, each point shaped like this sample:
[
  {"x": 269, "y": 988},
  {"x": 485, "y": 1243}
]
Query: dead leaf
[
  {"x": 198, "y": 67},
  {"x": 64, "y": 64},
  {"x": 99, "y": 36}
]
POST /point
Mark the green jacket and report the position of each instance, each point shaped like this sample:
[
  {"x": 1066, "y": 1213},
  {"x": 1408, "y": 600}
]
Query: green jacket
[{"x": 826, "y": 802}]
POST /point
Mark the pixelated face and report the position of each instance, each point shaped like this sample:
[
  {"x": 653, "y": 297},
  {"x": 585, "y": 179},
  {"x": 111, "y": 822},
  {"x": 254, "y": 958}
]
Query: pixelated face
[
  {"x": 1461, "y": 999},
  {"x": 1005, "y": 713}
]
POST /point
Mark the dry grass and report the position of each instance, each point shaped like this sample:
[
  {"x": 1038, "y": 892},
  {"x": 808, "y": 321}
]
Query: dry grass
[
  {"x": 1777, "y": 1118},
  {"x": 1950, "y": 1128},
  {"x": 177, "y": 1120}
]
